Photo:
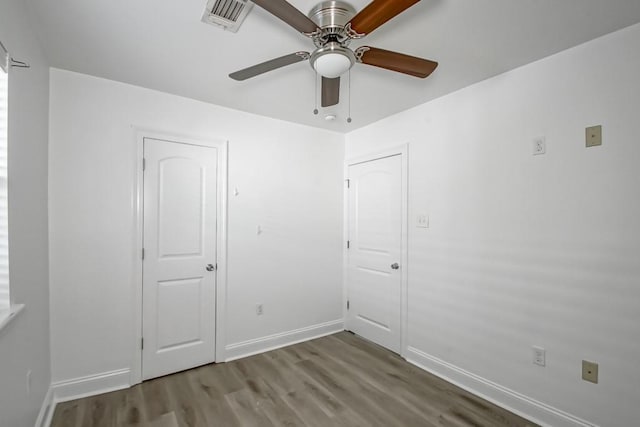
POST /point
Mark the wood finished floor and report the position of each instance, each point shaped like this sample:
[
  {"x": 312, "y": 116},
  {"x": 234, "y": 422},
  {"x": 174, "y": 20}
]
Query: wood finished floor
[{"x": 339, "y": 380}]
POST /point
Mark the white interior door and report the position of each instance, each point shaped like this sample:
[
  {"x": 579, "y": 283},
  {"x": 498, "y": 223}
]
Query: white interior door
[
  {"x": 179, "y": 277},
  {"x": 374, "y": 279}
]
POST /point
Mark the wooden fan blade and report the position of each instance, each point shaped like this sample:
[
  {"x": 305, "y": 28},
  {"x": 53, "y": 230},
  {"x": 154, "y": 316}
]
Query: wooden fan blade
[
  {"x": 330, "y": 91},
  {"x": 395, "y": 61},
  {"x": 289, "y": 14},
  {"x": 377, "y": 13},
  {"x": 270, "y": 65}
]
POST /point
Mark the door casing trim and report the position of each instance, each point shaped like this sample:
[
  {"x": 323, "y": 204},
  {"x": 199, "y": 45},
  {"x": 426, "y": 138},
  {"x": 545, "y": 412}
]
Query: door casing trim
[
  {"x": 138, "y": 225},
  {"x": 403, "y": 151}
]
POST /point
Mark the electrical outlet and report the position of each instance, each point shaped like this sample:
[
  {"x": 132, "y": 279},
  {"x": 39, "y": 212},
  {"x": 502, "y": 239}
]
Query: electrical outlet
[
  {"x": 539, "y": 145},
  {"x": 590, "y": 371},
  {"x": 259, "y": 309},
  {"x": 539, "y": 356},
  {"x": 422, "y": 221}
]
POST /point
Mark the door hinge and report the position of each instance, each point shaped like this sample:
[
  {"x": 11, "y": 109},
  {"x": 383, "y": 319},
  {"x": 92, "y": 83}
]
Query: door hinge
[
  {"x": 348, "y": 183},
  {"x": 144, "y": 163},
  {"x": 142, "y": 343},
  {"x": 347, "y": 304},
  {"x": 348, "y": 244},
  {"x": 142, "y": 253}
]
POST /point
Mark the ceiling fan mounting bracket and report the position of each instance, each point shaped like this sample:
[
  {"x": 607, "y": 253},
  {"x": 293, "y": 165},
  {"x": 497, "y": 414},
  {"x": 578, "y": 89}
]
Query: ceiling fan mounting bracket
[
  {"x": 351, "y": 33},
  {"x": 359, "y": 52},
  {"x": 317, "y": 33}
]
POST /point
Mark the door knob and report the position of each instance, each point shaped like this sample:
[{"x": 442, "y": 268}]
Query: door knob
[
  {"x": 210, "y": 267},
  {"x": 395, "y": 266}
]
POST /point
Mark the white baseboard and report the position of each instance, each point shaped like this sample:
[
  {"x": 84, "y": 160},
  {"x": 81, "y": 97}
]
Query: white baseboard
[
  {"x": 46, "y": 410},
  {"x": 91, "y": 385},
  {"x": 537, "y": 412},
  {"x": 283, "y": 339}
]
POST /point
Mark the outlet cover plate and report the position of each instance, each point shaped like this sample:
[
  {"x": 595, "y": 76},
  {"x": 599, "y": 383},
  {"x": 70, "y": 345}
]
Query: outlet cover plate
[
  {"x": 593, "y": 136},
  {"x": 590, "y": 371},
  {"x": 539, "y": 145}
]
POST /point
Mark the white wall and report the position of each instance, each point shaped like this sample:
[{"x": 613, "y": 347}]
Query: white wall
[
  {"x": 24, "y": 343},
  {"x": 526, "y": 250},
  {"x": 289, "y": 182}
]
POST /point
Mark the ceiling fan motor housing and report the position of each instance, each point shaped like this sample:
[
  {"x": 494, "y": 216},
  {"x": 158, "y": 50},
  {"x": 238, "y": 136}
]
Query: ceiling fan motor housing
[
  {"x": 332, "y": 14},
  {"x": 331, "y": 18},
  {"x": 332, "y": 56}
]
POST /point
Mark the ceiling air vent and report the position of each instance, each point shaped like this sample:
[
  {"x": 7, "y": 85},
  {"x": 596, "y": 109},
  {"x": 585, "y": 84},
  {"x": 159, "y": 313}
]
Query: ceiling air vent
[{"x": 227, "y": 14}]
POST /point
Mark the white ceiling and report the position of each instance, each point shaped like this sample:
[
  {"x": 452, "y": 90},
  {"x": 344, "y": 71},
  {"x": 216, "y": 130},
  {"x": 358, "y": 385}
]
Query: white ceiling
[{"x": 163, "y": 45}]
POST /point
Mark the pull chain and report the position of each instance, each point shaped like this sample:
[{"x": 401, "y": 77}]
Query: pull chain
[
  {"x": 349, "y": 90},
  {"x": 315, "y": 110}
]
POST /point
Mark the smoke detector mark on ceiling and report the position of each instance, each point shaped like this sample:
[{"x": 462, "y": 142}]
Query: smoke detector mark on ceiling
[{"x": 227, "y": 14}]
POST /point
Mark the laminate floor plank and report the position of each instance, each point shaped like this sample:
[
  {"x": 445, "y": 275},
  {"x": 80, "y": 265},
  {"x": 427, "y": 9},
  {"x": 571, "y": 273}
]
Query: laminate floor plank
[
  {"x": 217, "y": 380},
  {"x": 340, "y": 380},
  {"x": 280, "y": 414},
  {"x": 247, "y": 409},
  {"x": 369, "y": 389},
  {"x": 315, "y": 392},
  {"x": 99, "y": 411},
  {"x": 347, "y": 391},
  {"x": 390, "y": 385},
  {"x": 363, "y": 356},
  {"x": 156, "y": 398},
  {"x": 278, "y": 373},
  {"x": 210, "y": 400},
  {"x": 128, "y": 407},
  {"x": 69, "y": 414},
  {"x": 307, "y": 409},
  {"x": 411, "y": 390},
  {"x": 183, "y": 402},
  {"x": 166, "y": 420}
]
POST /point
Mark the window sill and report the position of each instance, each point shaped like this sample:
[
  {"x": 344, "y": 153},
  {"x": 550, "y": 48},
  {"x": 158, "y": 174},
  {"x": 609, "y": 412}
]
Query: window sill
[{"x": 6, "y": 316}]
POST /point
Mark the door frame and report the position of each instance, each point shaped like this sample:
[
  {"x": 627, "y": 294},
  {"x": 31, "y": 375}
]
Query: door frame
[
  {"x": 221, "y": 236},
  {"x": 403, "y": 152}
]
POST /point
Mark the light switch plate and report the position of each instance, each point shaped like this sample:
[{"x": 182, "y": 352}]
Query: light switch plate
[
  {"x": 539, "y": 356},
  {"x": 590, "y": 371},
  {"x": 593, "y": 136}
]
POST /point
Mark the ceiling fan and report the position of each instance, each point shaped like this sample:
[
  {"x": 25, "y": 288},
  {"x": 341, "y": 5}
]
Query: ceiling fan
[{"x": 332, "y": 25}]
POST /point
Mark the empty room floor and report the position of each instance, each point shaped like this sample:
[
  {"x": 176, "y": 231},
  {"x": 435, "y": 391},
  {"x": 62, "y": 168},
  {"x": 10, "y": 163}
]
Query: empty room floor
[{"x": 338, "y": 380}]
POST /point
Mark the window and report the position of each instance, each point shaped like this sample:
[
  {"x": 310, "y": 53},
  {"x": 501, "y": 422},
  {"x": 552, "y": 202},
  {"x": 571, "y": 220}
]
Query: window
[{"x": 5, "y": 300}]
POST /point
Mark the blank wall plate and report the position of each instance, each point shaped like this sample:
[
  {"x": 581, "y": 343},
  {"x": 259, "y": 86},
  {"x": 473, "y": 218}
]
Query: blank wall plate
[
  {"x": 593, "y": 136},
  {"x": 539, "y": 145},
  {"x": 590, "y": 371}
]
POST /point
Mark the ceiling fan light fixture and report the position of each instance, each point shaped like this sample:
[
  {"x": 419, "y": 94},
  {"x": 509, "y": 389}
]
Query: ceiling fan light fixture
[
  {"x": 332, "y": 65},
  {"x": 332, "y": 60}
]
